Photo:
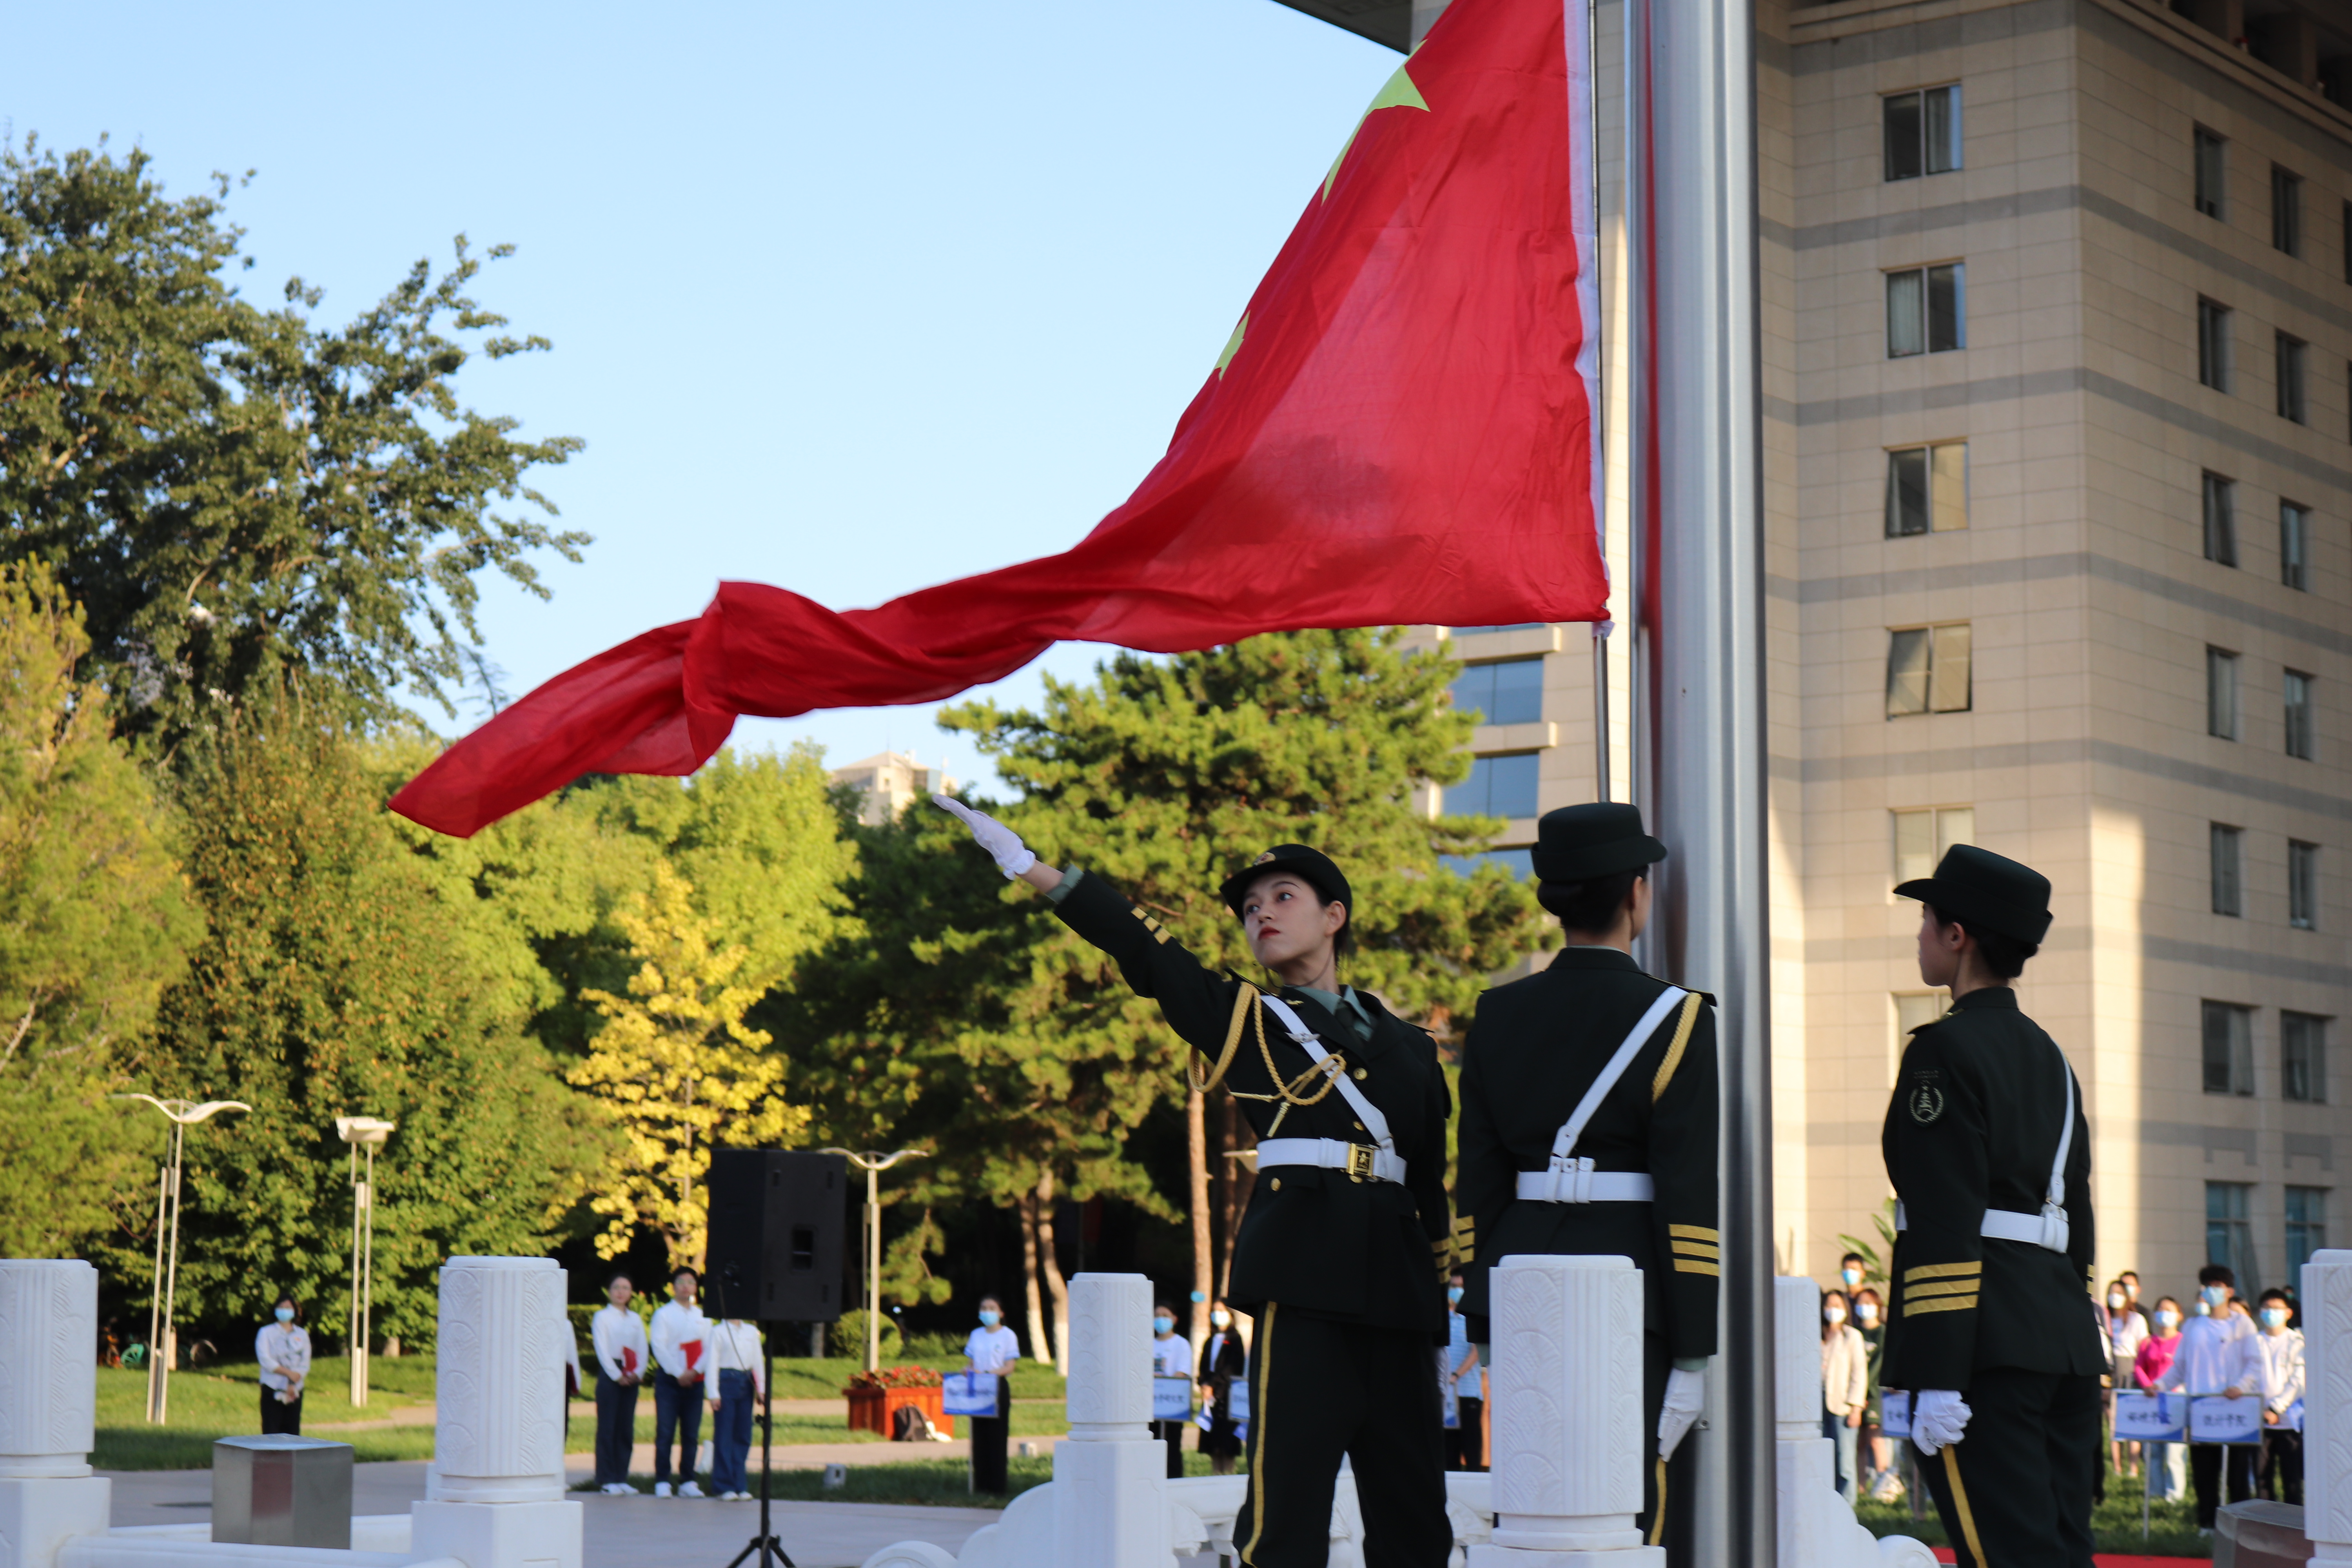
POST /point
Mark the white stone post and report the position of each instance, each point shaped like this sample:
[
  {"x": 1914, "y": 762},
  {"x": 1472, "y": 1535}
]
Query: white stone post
[
  {"x": 48, "y": 1408},
  {"x": 494, "y": 1494},
  {"x": 1570, "y": 1437},
  {"x": 1817, "y": 1527},
  {"x": 1107, "y": 1473},
  {"x": 2327, "y": 1406}
]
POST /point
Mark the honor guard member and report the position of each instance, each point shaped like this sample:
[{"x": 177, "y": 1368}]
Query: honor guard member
[
  {"x": 1989, "y": 1322},
  {"x": 1589, "y": 1126},
  {"x": 1345, "y": 1247}
]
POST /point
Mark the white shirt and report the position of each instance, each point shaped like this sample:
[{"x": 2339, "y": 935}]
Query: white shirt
[
  {"x": 2126, "y": 1330},
  {"x": 613, "y": 1329},
  {"x": 992, "y": 1349},
  {"x": 734, "y": 1346},
  {"x": 675, "y": 1323},
  {"x": 284, "y": 1351},
  {"x": 1172, "y": 1357},
  {"x": 2215, "y": 1355},
  {"x": 2281, "y": 1368}
]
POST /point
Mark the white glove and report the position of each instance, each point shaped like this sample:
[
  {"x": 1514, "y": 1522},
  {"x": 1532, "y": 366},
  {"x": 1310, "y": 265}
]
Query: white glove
[
  {"x": 1685, "y": 1398},
  {"x": 1937, "y": 1420},
  {"x": 1002, "y": 844}
]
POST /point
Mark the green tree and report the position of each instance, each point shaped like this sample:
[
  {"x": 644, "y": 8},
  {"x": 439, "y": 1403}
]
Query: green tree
[
  {"x": 234, "y": 493},
  {"x": 94, "y": 922}
]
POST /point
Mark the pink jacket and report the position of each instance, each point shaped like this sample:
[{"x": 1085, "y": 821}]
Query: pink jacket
[{"x": 2154, "y": 1359}]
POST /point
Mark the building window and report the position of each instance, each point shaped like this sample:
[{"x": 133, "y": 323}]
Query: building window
[
  {"x": 2221, "y": 694},
  {"x": 1508, "y": 691},
  {"x": 2286, "y": 211},
  {"x": 2307, "y": 1228},
  {"x": 1926, "y": 488},
  {"x": 2294, "y": 545},
  {"x": 2209, "y": 166},
  {"x": 1497, "y": 787},
  {"x": 2302, "y": 885},
  {"x": 2213, "y": 344},
  {"x": 2220, "y": 520},
  {"x": 2228, "y": 850},
  {"x": 1923, "y": 132},
  {"x": 1911, "y": 1009},
  {"x": 2229, "y": 1049},
  {"x": 1520, "y": 862},
  {"x": 2291, "y": 355},
  {"x": 2303, "y": 1057},
  {"x": 1927, "y": 670},
  {"x": 2230, "y": 1231},
  {"x": 1927, "y": 311},
  {"x": 1922, "y": 837},
  {"x": 2300, "y": 715}
]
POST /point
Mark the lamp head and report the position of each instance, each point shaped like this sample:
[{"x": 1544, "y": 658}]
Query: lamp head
[{"x": 366, "y": 1131}]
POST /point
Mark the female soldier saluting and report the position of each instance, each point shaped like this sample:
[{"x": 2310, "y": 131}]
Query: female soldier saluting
[{"x": 1345, "y": 1247}]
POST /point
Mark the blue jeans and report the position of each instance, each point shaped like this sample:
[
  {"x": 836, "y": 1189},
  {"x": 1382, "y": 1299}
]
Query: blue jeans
[
  {"x": 678, "y": 1409},
  {"x": 730, "y": 1432},
  {"x": 1835, "y": 1429}
]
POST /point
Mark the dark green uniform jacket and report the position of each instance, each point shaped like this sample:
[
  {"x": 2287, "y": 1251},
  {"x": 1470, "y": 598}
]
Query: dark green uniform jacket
[
  {"x": 1537, "y": 1046},
  {"x": 1973, "y": 1124},
  {"x": 1368, "y": 1251}
]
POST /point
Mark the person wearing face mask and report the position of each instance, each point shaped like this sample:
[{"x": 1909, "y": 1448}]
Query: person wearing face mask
[
  {"x": 2217, "y": 1357},
  {"x": 1988, "y": 1150},
  {"x": 2168, "y": 1463},
  {"x": 994, "y": 1349},
  {"x": 283, "y": 1349},
  {"x": 2280, "y": 1477},
  {"x": 1458, "y": 1364},
  {"x": 617, "y": 1335},
  {"x": 1853, "y": 1272},
  {"x": 1224, "y": 1362},
  {"x": 1344, "y": 1248},
  {"x": 2126, "y": 1330},
  {"x": 1171, "y": 1356},
  {"x": 1879, "y": 1482},
  {"x": 1845, "y": 1387}
]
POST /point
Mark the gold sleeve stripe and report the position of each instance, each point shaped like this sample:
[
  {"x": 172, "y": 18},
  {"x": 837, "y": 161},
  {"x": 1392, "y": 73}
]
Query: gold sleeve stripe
[
  {"x": 1693, "y": 1266},
  {"x": 1940, "y": 1287},
  {"x": 1675, "y": 1052},
  {"x": 1943, "y": 1304},
  {"x": 1941, "y": 1271},
  {"x": 1694, "y": 1232},
  {"x": 1696, "y": 1249}
]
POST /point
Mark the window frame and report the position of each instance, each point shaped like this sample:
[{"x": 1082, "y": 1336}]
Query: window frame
[
  {"x": 1943, "y": 825},
  {"x": 2218, "y": 495},
  {"x": 1488, "y": 666},
  {"x": 2213, "y": 355},
  {"x": 1938, "y": 636},
  {"x": 2299, "y": 700},
  {"x": 1932, "y": 488},
  {"x": 2294, "y": 545},
  {"x": 2209, "y": 157},
  {"x": 2238, "y": 1227},
  {"x": 1924, "y": 276},
  {"x": 2286, "y": 211},
  {"x": 1490, "y": 758},
  {"x": 2226, "y": 869},
  {"x": 1927, "y": 112},
  {"x": 2302, "y": 885},
  {"x": 2221, "y": 704},
  {"x": 2312, "y": 1223},
  {"x": 2302, "y": 1044},
  {"x": 2291, "y": 360},
  {"x": 2236, "y": 1058}
]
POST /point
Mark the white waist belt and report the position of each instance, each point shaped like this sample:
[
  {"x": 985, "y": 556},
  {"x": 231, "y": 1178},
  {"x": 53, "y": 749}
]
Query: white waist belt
[
  {"x": 1580, "y": 1183},
  {"x": 1360, "y": 1161},
  {"x": 2047, "y": 1229}
]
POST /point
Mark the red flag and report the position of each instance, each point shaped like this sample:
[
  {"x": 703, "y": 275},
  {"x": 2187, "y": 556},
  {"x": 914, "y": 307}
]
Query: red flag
[{"x": 1400, "y": 429}]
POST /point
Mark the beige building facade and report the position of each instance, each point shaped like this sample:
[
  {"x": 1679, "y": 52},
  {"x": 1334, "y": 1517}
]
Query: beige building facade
[
  {"x": 890, "y": 782},
  {"x": 2057, "y": 316}
]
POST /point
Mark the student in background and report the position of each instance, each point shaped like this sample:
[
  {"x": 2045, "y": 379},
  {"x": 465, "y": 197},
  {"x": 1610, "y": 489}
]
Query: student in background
[
  {"x": 1853, "y": 1270},
  {"x": 2126, "y": 1330},
  {"x": 1223, "y": 1362},
  {"x": 1460, "y": 1360},
  {"x": 283, "y": 1349},
  {"x": 2281, "y": 1475},
  {"x": 1171, "y": 1356},
  {"x": 679, "y": 1333},
  {"x": 992, "y": 1348},
  {"x": 1845, "y": 1387},
  {"x": 2167, "y": 1473},
  {"x": 2217, "y": 1356},
  {"x": 737, "y": 1381},
  {"x": 1879, "y": 1482},
  {"x": 617, "y": 1336}
]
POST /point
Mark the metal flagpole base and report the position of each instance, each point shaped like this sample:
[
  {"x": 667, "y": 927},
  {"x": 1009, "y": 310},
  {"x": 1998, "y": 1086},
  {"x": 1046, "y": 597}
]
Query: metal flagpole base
[{"x": 765, "y": 1545}]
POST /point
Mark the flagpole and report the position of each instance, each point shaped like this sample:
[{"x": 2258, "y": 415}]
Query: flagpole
[{"x": 1698, "y": 657}]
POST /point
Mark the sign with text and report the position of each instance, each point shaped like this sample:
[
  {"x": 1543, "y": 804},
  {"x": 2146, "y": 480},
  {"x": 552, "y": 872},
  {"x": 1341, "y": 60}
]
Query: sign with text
[
  {"x": 2215, "y": 1419},
  {"x": 1237, "y": 1400},
  {"x": 968, "y": 1393},
  {"x": 1895, "y": 1413},
  {"x": 1172, "y": 1399},
  {"x": 2151, "y": 1418}
]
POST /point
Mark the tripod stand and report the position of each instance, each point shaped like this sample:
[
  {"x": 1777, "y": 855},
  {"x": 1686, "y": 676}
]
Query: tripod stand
[{"x": 765, "y": 1545}]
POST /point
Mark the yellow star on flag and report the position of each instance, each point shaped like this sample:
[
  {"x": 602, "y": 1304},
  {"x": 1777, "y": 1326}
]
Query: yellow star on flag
[{"x": 1399, "y": 92}]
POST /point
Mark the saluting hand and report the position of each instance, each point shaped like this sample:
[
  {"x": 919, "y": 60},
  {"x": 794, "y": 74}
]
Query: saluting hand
[{"x": 1003, "y": 844}]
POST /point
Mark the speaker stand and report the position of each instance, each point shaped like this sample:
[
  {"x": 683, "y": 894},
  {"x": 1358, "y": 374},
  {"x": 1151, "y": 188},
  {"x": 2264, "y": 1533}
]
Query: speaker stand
[{"x": 765, "y": 1545}]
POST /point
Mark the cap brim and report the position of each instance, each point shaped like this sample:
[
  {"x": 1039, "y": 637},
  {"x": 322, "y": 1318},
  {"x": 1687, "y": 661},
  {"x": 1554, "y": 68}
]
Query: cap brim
[
  {"x": 1920, "y": 888},
  {"x": 1601, "y": 860}
]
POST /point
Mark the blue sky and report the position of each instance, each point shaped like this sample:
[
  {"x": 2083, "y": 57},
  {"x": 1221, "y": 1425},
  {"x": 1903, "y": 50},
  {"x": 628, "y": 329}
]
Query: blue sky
[{"x": 846, "y": 298}]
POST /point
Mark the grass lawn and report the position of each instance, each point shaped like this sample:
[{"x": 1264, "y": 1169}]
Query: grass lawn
[
  {"x": 945, "y": 1483},
  {"x": 2172, "y": 1526}
]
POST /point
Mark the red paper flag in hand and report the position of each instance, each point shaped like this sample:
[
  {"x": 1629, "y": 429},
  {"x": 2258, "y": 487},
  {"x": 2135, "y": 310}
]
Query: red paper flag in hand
[{"x": 1400, "y": 429}]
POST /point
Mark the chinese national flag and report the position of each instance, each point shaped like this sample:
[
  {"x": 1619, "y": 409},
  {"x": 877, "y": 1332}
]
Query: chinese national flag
[{"x": 1400, "y": 429}]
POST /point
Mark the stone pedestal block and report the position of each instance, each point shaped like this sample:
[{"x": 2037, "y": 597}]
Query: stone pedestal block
[
  {"x": 38, "y": 1517},
  {"x": 496, "y": 1536},
  {"x": 1796, "y": 1357},
  {"x": 498, "y": 1434},
  {"x": 49, "y": 1359},
  {"x": 2327, "y": 1406},
  {"x": 1110, "y": 1355},
  {"x": 1570, "y": 1442},
  {"x": 1107, "y": 1507}
]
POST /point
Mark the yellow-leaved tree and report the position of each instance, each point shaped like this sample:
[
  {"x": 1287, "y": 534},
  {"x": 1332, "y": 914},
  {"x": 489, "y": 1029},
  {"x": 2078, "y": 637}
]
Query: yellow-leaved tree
[{"x": 680, "y": 1070}]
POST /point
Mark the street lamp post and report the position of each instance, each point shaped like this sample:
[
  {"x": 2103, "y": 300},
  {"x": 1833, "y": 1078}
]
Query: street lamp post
[
  {"x": 182, "y": 1113},
  {"x": 362, "y": 1133},
  {"x": 873, "y": 1162}
]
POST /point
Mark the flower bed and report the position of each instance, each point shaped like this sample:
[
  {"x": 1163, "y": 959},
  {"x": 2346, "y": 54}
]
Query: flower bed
[{"x": 875, "y": 1398}]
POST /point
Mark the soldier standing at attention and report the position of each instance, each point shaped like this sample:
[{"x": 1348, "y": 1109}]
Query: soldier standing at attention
[
  {"x": 1345, "y": 1247},
  {"x": 1989, "y": 1153},
  {"x": 1588, "y": 1127}
]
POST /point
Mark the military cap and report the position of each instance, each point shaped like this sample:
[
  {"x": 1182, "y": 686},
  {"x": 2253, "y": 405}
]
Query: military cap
[
  {"x": 1577, "y": 843},
  {"x": 1978, "y": 887},
  {"x": 1309, "y": 866}
]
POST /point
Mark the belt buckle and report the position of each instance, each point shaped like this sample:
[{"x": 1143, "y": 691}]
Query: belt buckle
[{"x": 1360, "y": 1162}]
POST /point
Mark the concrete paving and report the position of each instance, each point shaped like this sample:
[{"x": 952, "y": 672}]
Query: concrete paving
[{"x": 642, "y": 1531}]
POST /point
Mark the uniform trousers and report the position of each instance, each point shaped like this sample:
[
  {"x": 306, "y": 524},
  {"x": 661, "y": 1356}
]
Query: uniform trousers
[
  {"x": 1320, "y": 1390},
  {"x": 2207, "y": 1462},
  {"x": 677, "y": 1417},
  {"x": 2281, "y": 1478},
  {"x": 616, "y": 1429},
  {"x": 2016, "y": 1491}
]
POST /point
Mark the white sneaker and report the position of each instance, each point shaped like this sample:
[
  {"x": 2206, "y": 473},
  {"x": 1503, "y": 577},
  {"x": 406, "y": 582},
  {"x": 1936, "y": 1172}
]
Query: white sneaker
[
  {"x": 616, "y": 1489},
  {"x": 689, "y": 1490},
  {"x": 661, "y": 1488}
]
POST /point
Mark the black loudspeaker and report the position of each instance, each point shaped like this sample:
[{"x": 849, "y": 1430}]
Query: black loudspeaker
[{"x": 776, "y": 1220}]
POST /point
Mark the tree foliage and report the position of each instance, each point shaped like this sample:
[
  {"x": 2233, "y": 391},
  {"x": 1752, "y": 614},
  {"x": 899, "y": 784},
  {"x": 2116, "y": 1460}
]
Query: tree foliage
[{"x": 234, "y": 493}]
